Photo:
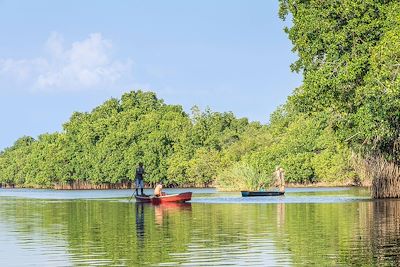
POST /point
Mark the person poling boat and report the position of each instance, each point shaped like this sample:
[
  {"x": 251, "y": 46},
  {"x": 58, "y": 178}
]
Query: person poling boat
[
  {"x": 139, "y": 179},
  {"x": 279, "y": 181}
]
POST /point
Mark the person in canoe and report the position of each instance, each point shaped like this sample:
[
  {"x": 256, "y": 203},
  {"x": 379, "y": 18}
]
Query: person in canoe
[
  {"x": 139, "y": 178},
  {"x": 280, "y": 179},
  {"x": 261, "y": 186},
  {"x": 158, "y": 190}
]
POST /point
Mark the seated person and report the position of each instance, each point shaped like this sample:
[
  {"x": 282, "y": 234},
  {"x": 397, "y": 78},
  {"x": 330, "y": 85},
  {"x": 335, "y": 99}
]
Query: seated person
[
  {"x": 261, "y": 187},
  {"x": 158, "y": 190}
]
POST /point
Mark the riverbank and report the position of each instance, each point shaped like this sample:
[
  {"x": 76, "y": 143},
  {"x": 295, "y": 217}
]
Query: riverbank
[
  {"x": 82, "y": 185},
  {"x": 332, "y": 184},
  {"x": 79, "y": 185}
]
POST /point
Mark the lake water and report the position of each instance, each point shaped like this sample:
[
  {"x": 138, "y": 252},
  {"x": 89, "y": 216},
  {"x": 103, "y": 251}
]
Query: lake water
[{"x": 307, "y": 226}]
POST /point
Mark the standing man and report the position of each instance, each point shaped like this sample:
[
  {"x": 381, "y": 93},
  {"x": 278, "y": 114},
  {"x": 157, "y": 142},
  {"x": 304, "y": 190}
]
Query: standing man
[
  {"x": 280, "y": 178},
  {"x": 139, "y": 178}
]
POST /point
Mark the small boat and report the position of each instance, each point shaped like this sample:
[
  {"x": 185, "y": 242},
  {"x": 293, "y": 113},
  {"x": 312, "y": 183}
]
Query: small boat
[
  {"x": 182, "y": 197},
  {"x": 261, "y": 193}
]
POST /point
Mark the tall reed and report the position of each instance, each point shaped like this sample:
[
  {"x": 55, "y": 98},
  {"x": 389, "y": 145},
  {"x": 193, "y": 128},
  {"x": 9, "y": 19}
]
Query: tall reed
[{"x": 385, "y": 176}]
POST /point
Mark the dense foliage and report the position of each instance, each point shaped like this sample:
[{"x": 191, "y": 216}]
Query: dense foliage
[
  {"x": 304, "y": 146},
  {"x": 105, "y": 145},
  {"x": 350, "y": 58}
]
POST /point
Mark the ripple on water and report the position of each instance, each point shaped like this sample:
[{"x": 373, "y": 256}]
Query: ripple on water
[{"x": 275, "y": 200}]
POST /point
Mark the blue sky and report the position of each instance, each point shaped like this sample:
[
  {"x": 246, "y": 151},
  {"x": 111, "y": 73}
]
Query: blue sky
[{"x": 57, "y": 57}]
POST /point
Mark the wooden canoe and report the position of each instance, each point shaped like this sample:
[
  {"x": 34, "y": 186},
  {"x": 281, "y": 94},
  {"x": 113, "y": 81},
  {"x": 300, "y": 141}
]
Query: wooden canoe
[
  {"x": 261, "y": 193},
  {"x": 182, "y": 197}
]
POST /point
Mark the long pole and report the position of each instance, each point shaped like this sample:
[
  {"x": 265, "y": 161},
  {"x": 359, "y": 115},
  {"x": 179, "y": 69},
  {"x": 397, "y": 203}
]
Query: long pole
[
  {"x": 132, "y": 194},
  {"x": 131, "y": 197}
]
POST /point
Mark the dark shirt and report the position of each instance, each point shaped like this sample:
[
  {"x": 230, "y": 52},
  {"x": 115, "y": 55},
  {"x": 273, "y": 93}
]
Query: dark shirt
[{"x": 139, "y": 173}]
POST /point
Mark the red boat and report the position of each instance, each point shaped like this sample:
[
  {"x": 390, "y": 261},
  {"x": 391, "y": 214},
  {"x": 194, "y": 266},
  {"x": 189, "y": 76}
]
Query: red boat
[{"x": 182, "y": 197}]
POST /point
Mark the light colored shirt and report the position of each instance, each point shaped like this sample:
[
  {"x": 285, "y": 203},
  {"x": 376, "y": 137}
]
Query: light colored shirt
[{"x": 157, "y": 190}]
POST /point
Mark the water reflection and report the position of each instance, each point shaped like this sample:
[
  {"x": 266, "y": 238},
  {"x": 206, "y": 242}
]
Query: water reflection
[
  {"x": 139, "y": 221},
  {"x": 280, "y": 218},
  {"x": 117, "y": 233},
  {"x": 385, "y": 232},
  {"x": 164, "y": 210}
]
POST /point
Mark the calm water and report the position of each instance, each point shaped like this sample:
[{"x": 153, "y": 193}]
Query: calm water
[{"x": 321, "y": 227}]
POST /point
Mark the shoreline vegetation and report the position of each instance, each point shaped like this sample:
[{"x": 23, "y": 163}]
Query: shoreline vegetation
[
  {"x": 199, "y": 149},
  {"x": 130, "y": 185},
  {"x": 82, "y": 185}
]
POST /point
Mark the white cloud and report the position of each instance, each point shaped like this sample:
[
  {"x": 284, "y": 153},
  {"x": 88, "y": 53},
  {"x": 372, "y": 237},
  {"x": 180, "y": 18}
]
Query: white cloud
[{"x": 86, "y": 64}]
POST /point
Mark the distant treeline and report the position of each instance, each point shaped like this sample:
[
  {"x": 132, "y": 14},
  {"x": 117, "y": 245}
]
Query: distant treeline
[{"x": 101, "y": 148}]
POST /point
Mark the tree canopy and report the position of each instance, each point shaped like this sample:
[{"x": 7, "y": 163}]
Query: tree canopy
[
  {"x": 349, "y": 56},
  {"x": 203, "y": 148}
]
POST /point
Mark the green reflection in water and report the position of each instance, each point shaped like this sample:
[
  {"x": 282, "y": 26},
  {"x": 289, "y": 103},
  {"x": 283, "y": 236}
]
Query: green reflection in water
[{"x": 113, "y": 232}]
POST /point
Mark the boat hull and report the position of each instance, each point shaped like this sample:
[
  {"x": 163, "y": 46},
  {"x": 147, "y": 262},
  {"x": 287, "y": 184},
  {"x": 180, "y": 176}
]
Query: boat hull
[
  {"x": 261, "y": 193},
  {"x": 182, "y": 197},
  {"x": 143, "y": 199}
]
